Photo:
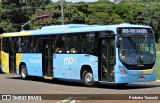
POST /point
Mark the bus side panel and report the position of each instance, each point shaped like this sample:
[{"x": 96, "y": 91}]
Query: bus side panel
[
  {"x": 18, "y": 61},
  {"x": 33, "y": 62},
  {"x": 66, "y": 66},
  {"x": 5, "y": 62},
  {"x": 69, "y": 65},
  {"x": 92, "y": 61}
]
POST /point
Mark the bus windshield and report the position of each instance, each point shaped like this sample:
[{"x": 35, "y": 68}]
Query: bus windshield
[{"x": 137, "y": 50}]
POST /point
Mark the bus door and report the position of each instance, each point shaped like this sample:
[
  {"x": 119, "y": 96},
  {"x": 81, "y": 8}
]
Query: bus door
[
  {"x": 12, "y": 56},
  {"x": 107, "y": 58},
  {"x": 47, "y": 57}
]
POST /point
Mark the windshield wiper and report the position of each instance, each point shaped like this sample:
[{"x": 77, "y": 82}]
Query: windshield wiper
[
  {"x": 145, "y": 40},
  {"x": 132, "y": 42},
  {"x": 140, "y": 61},
  {"x": 137, "y": 48}
]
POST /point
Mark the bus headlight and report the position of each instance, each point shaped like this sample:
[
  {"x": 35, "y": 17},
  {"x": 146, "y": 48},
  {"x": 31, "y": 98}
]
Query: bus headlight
[
  {"x": 155, "y": 68},
  {"x": 122, "y": 70}
]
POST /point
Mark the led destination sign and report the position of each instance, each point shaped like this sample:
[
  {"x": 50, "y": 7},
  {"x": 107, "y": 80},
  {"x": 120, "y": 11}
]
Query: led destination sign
[{"x": 134, "y": 31}]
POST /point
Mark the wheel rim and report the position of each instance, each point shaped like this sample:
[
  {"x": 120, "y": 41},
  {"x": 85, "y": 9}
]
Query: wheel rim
[
  {"x": 23, "y": 72},
  {"x": 89, "y": 78}
]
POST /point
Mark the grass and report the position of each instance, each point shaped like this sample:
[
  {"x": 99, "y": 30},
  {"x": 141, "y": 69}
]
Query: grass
[
  {"x": 158, "y": 47},
  {"x": 158, "y": 71},
  {"x": 158, "y": 57}
]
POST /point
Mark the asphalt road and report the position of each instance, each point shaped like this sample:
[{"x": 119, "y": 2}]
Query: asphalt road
[{"x": 13, "y": 84}]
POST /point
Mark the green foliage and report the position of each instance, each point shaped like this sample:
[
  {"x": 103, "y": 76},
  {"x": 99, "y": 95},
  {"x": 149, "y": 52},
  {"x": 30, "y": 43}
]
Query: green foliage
[
  {"x": 7, "y": 26},
  {"x": 101, "y": 12},
  {"x": 14, "y": 13},
  {"x": 98, "y": 18}
]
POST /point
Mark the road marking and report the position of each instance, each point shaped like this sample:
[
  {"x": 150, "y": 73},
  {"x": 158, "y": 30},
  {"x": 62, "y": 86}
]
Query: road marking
[
  {"x": 16, "y": 76},
  {"x": 68, "y": 100}
]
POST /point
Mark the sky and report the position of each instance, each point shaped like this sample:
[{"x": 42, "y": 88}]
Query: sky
[{"x": 77, "y": 0}]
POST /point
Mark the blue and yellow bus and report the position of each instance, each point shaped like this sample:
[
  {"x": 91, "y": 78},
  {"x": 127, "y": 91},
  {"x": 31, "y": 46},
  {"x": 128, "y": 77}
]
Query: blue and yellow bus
[{"x": 121, "y": 53}]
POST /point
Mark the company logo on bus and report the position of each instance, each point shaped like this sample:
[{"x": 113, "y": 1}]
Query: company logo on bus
[
  {"x": 69, "y": 60},
  {"x": 35, "y": 61}
]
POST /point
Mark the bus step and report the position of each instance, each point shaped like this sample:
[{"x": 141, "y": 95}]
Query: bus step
[{"x": 46, "y": 77}]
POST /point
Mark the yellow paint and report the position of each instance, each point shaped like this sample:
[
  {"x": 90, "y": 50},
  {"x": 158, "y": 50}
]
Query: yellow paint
[
  {"x": 18, "y": 58},
  {"x": 148, "y": 71},
  {"x": 0, "y": 50},
  {"x": 0, "y": 57},
  {"x": 15, "y": 34},
  {"x": 46, "y": 77},
  {"x": 5, "y": 62}
]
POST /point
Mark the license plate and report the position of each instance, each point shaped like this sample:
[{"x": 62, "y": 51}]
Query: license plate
[{"x": 141, "y": 78}]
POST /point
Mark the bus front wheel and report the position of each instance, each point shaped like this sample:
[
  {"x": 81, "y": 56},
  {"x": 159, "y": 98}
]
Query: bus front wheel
[
  {"x": 88, "y": 79},
  {"x": 24, "y": 74}
]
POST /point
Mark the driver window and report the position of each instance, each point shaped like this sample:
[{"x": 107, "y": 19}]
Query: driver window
[{"x": 124, "y": 47}]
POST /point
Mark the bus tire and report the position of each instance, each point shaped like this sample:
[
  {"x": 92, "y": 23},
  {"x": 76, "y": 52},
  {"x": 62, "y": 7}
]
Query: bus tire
[
  {"x": 88, "y": 79},
  {"x": 24, "y": 73}
]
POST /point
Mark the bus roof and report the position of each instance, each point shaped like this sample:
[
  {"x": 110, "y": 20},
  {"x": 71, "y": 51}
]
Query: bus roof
[
  {"x": 71, "y": 28},
  {"x": 128, "y": 25},
  {"x": 63, "y": 26}
]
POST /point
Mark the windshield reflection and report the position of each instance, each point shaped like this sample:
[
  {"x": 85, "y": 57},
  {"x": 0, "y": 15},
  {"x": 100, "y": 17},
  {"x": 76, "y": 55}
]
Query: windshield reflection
[{"x": 137, "y": 50}]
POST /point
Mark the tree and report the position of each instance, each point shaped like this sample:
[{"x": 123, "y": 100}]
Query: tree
[
  {"x": 18, "y": 16},
  {"x": 144, "y": 12},
  {"x": 99, "y": 13}
]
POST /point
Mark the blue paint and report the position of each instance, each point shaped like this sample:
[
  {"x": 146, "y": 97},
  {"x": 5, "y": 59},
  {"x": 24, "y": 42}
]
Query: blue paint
[
  {"x": 54, "y": 56},
  {"x": 133, "y": 60},
  {"x": 33, "y": 62},
  {"x": 120, "y": 78},
  {"x": 69, "y": 66}
]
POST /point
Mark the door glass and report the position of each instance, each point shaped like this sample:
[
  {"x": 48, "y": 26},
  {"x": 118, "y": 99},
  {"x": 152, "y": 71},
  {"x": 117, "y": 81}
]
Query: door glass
[
  {"x": 48, "y": 58},
  {"x": 12, "y": 55},
  {"x": 107, "y": 58}
]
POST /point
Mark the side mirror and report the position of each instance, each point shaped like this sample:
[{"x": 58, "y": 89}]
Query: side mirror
[{"x": 118, "y": 42}]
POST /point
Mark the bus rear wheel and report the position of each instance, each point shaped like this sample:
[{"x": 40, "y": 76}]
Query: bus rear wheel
[
  {"x": 24, "y": 73},
  {"x": 87, "y": 78}
]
